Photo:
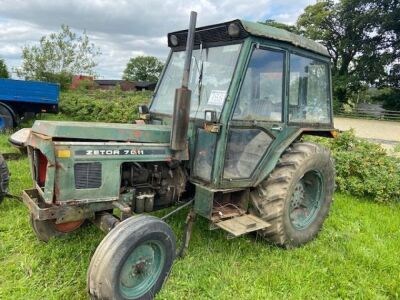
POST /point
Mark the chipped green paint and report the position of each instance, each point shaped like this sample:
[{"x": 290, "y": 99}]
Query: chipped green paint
[
  {"x": 203, "y": 201},
  {"x": 104, "y": 131}
]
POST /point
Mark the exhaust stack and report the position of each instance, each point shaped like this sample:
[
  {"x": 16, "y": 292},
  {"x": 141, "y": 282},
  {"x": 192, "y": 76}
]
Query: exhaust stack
[{"x": 180, "y": 119}]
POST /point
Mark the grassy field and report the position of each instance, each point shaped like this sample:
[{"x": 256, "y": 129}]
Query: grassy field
[{"x": 355, "y": 256}]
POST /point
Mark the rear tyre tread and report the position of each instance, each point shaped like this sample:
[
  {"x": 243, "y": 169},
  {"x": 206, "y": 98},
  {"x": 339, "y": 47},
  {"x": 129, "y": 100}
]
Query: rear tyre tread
[{"x": 268, "y": 199}]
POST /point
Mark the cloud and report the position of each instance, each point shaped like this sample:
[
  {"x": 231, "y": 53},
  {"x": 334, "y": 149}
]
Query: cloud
[{"x": 123, "y": 28}]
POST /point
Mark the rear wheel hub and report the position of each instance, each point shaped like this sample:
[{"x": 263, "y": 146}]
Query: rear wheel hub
[{"x": 306, "y": 200}]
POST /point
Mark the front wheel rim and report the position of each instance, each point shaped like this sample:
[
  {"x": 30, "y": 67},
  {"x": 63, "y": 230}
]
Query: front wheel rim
[
  {"x": 306, "y": 200},
  {"x": 141, "y": 269}
]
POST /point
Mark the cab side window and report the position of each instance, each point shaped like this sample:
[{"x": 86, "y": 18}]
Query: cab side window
[
  {"x": 308, "y": 91},
  {"x": 261, "y": 93}
]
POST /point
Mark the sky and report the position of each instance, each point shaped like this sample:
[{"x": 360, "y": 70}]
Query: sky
[{"x": 125, "y": 28}]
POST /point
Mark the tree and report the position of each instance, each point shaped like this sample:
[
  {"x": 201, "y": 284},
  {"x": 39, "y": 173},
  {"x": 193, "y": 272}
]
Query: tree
[
  {"x": 59, "y": 56},
  {"x": 3, "y": 69},
  {"x": 359, "y": 37},
  {"x": 143, "y": 68}
]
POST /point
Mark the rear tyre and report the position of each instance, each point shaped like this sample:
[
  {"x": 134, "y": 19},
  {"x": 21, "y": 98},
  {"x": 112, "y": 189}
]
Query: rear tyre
[
  {"x": 296, "y": 197},
  {"x": 6, "y": 119},
  {"x": 133, "y": 260},
  {"x": 4, "y": 178},
  {"x": 47, "y": 229}
]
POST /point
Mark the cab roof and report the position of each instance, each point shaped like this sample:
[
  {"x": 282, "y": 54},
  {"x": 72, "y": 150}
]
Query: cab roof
[{"x": 219, "y": 33}]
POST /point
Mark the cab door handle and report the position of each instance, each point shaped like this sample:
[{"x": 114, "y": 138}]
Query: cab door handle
[{"x": 276, "y": 128}]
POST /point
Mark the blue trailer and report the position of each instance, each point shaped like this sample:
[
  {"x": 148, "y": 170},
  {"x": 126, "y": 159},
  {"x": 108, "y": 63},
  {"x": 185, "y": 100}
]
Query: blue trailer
[{"x": 21, "y": 99}]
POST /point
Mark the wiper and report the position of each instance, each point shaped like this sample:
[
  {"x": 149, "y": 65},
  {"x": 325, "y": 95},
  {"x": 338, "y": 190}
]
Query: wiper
[{"x": 200, "y": 82}]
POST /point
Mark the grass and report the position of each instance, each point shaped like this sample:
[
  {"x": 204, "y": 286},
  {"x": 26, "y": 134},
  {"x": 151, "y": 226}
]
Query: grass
[{"x": 355, "y": 256}]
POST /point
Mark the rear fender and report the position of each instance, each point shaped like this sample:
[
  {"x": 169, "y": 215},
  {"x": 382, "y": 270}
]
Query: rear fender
[{"x": 273, "y": 158}]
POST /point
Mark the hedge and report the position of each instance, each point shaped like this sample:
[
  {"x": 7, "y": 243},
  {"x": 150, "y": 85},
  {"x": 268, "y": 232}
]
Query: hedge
[
  {"x": 102, "y": 106},
  {"x": 364, "y": 169}
]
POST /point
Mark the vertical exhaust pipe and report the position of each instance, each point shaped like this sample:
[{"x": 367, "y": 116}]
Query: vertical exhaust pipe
[{"x": 180, "y": 118}]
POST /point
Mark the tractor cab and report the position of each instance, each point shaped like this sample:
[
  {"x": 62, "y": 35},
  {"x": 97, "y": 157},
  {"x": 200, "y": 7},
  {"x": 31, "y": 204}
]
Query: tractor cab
[{"x": 255, "y": 89}]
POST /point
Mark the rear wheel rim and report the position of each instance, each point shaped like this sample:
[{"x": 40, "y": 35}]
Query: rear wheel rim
[
  {"x": 141, "y": 269},
  {"x": 306, "y": 200}
]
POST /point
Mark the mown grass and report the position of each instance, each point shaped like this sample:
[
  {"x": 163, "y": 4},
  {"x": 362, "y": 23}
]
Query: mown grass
[{"x": 355, "y": 256}]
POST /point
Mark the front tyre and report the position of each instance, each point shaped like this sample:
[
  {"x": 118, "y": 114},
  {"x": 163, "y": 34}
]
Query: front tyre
[
  {"x": 133, "y": 260},
  {"x": 296, "y": 197}
]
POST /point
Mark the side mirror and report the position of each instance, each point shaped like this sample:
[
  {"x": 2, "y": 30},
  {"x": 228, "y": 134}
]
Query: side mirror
[
  {"x": 144, "y": 112},
  {"x": 210, "y": 116},
  {"x": 143, "y": 109},
  {"x": 211, "y": 122}
]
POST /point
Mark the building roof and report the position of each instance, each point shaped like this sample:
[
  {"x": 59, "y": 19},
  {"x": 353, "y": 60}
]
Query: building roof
[
  {"x": 138, "y": 84},
  {"x": 144, "y": 84},
  {"x": 108, "y": 81}
]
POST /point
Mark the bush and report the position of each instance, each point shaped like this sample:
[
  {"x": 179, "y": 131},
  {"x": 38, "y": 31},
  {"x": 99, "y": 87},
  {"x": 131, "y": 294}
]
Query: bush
[
  {"x": 364, "y": 169},
  {"x": 390, "y": 97},
  {"x": 392, "y": 100},
  {"x": 102, "y": 106},
  {"x": 86, "y": 84}
]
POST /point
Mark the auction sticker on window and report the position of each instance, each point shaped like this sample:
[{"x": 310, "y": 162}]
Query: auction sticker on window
[{"x": 216, "y": 98}]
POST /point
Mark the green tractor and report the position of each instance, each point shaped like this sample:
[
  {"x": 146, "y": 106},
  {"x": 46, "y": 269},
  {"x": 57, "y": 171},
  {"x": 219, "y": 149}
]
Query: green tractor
[{"x": 222, "y": 137}]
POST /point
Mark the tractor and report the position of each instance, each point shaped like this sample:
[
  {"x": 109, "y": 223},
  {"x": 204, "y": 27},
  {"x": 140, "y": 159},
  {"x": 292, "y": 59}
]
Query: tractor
[{"x": 222, "y": 137}]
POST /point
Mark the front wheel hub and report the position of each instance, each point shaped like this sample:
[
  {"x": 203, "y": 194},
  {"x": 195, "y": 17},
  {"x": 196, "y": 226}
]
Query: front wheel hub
[{"x": 141, "y": 269}]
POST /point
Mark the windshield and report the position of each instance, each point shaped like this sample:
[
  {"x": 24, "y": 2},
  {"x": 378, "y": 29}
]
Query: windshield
[{"x": 210, "y": 75}]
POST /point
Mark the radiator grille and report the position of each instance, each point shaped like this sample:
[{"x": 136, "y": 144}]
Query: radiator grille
[{"x": 87, "y": 175}]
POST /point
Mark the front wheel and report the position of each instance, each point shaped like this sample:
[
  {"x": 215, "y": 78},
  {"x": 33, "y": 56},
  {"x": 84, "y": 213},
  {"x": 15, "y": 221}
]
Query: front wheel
[
  {"x": 296, "y": 197},
  {"x": 133, "y": 260}
]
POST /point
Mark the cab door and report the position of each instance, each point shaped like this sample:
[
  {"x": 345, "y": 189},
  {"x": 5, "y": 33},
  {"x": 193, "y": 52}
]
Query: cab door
[{"x": 257, "y": 118}]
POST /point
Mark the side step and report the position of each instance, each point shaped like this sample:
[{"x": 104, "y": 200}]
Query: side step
[{"x": 241, "y": 225}]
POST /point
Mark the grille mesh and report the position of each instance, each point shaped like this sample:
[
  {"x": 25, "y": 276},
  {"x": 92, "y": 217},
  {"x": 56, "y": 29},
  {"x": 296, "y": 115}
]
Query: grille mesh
[
  {"x": 87, "y": 175},
  {"x": 209, "y": 34}
]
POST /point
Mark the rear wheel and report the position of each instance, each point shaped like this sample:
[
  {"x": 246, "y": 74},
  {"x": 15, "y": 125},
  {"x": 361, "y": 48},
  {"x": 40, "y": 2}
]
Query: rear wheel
[
  {"x": 133, "y": 260},
  {"x": 47, "y": 229},
  {"x": 296, "y": 197},
  {"x": 4, "y": 178},
  {"x": 6, "y": 118}
]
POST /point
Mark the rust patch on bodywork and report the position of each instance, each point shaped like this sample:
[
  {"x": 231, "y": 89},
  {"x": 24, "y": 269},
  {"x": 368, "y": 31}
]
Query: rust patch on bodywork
[{"x": 137, "y": 133}]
